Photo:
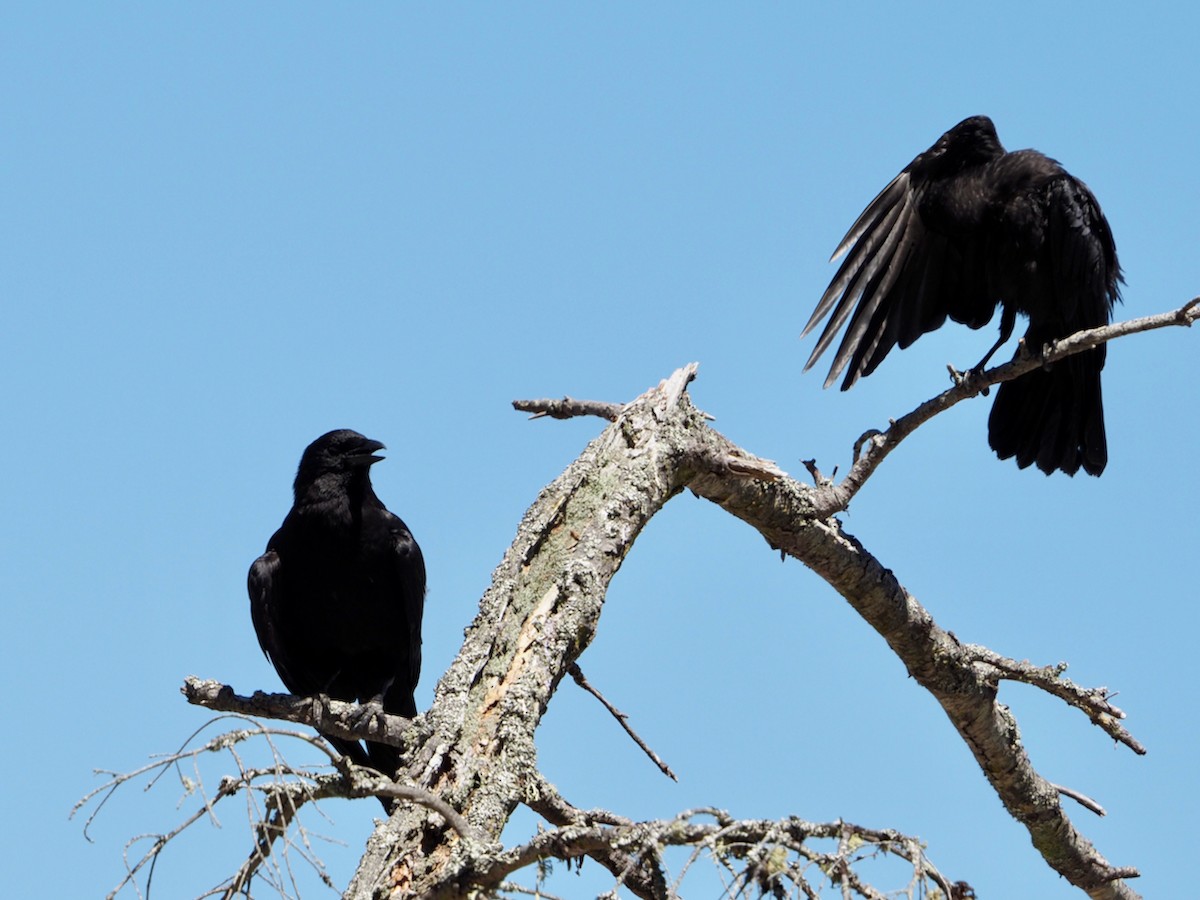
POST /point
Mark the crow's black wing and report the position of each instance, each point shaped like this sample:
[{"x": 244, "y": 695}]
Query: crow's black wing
[
  {"x": 899, "y": 280},
  {"x": 411, "y": 565},
  {"x": 873, "y": 242},
  {"x": 400, "y": 567},
  {"x": 1054, "y": 417},
  {"x": 397, "y": 567},
  {"x": 916, "y": 255},
  {"x": 1082, "y": 254},
  {"x": 262, "y": 583}
]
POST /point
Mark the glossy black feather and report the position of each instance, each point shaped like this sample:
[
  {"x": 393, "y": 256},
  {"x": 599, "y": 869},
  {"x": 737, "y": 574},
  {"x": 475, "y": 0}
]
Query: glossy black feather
[
  {"x": 964, "y": 228},
  {"x": 337, "y": 597}
]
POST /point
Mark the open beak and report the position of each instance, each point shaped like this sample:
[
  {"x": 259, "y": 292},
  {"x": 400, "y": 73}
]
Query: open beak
[{"x": 365, "y": 456}]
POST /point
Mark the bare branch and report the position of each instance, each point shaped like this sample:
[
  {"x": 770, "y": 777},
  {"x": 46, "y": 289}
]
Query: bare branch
[
  {"x": 1082, "y": 799},
  {"x": 384, "y": 788},
  {"x": 283, "y": 797},
  {"x": 878, "y": 445},
  {"x": 359, "y": 781},
  {"x": 508, "y": 887},
  {"x": 282, "y": 802},
  {"x": 577, "y": 674},
  {"x": 1093, "y": 701},
  {"x": 568, "y": 408},
  {"x": 819, "y": 479},
  {"x": 641, "y": 873},
  {"x": 335, "y": 717},
  {"x": 541, "y": 613},
  {"x": 749, "y": 840},
  {"x": 784, "y": 513},
  {"x": 476, "y": 748}
]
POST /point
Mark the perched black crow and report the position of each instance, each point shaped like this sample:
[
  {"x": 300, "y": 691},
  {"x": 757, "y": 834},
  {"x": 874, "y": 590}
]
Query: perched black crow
[
  {"x": 965, "y": 227},
  {"x": 337, "y": 597}
]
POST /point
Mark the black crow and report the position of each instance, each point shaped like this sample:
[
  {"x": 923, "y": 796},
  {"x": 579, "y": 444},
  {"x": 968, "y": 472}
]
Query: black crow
[
  {"x": 337, "y": 597},
  {"x": 967, "y": 226}
]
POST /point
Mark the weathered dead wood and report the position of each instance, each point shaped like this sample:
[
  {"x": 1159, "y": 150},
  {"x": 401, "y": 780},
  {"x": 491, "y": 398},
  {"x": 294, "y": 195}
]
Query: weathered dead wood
[{"x": 475, "y": 748}]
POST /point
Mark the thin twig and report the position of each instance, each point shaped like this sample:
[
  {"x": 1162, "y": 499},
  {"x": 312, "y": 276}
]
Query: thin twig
[
  {"x": 229, "y": 786},
  {"x": 283, "y": 798},
  {"x": 621, "y": 717},
  {"x": 1082, "y": 799},
  {"x": 283, "y": 801},
  {"x": 509, "y": 887}
]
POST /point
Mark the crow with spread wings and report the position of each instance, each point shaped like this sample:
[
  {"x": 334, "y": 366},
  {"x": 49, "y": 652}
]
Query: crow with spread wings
[{"x": 967, "y": 226}]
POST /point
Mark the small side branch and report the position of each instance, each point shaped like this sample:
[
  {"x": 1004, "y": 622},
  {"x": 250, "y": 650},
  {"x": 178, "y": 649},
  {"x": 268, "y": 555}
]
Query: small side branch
[
  {"x": 568, "y": 408},
  {"x": 384, "y": 787},
  {"x": 1092, "y": 701},
  {"x": 1082, "y": 799},
  {"x": 622, "y": 718}
]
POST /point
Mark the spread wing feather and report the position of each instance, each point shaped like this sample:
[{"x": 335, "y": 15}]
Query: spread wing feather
[
  {"x": 875, "y": 237},
  {"x": 897, "y": 282}
]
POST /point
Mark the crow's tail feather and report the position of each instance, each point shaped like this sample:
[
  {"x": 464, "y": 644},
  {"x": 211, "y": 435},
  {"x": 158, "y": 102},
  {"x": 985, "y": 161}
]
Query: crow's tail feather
[
  {"x": 1053, "y": 417},
  {"x": 371, "y": 757}
]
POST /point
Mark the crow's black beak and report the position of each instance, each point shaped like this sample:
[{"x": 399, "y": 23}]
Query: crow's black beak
[{"x": 365, "y": 456}]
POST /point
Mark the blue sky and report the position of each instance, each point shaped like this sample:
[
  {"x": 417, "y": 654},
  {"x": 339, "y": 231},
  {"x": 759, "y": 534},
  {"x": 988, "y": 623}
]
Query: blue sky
[{"x": 230, "y": 229}]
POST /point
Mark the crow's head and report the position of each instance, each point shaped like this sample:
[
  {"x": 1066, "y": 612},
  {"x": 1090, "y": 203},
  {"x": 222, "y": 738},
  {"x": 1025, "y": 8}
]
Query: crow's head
[
  {"x": 971, "y": 142},
  {"x": 340, "y": 454}
]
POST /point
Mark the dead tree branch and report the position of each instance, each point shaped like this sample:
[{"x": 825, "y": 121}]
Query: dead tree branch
[
  {"x": 753, "y": 841},
  {"x": 568, "y": 408},
  {"x": 622, "y": 719},
  {"x": 284, "y": 790},
  {"x": 785, "y": 513},
  {"x": 474, "y": 748},
  {"x": 545, "y": 601},
  {"x": 642, "y": 873},
  {"x": 1082, "y": 799},
  {"x": 794, "y": 519},
  {"x": 338, "y": 718},
  {"x": 334, "y": 717},
  {"x": 1092, "y": 701},
  {"x": 874, "y": 446},
  {"x": 282, "y": 802}
]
